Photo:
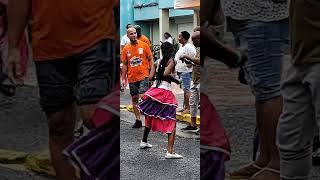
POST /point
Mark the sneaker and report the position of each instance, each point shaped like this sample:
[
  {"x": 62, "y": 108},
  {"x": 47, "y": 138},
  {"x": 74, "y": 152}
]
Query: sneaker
[
  {"x": 198, "y": 132},
  {"x": 190, "y": 128},
  {"x": 173, "y": 156},
  {"x": 145, "y": 145},
  {"x": 78, "y": 133},
  {"x": 137, "y": 124}
]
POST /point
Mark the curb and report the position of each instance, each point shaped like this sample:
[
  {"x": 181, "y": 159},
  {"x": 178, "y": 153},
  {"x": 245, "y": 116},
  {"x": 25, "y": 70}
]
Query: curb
[
  {"x": 37, "y": 162},
  {"x": 180, "y": 117}
]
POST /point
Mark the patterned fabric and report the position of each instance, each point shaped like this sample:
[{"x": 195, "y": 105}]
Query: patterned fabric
[
  {"x": 259, "y": 10},
  {"x": 159, "y": 107},
  {"x": 97, "y": 154}
]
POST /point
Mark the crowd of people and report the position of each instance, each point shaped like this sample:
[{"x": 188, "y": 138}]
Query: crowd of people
[
  {"x": 150, "y": 81},
  {"x": 77, "y": 70}
]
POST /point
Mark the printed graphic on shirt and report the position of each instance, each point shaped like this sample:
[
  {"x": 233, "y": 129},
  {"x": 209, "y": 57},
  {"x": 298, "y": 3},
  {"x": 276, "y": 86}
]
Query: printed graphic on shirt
[
  {"x": 135, "y": 61},
  {"x": 140, "y": 50}
]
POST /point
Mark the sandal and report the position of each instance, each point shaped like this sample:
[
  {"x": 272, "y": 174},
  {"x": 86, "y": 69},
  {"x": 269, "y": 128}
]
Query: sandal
[
  {"x": 7, "y": 86},
  {"x": 265, "y": 170},
  {"x": 245, "y": 172}
]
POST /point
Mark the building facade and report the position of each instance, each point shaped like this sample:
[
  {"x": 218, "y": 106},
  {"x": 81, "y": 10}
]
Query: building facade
[{"x": 159, "y": 16}]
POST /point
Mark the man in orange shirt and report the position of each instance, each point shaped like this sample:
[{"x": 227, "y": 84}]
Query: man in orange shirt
[
  {"x": 136, "y": 58},
  {"x": 142, "y": 37},
  {"x": 74, "y": 53}
]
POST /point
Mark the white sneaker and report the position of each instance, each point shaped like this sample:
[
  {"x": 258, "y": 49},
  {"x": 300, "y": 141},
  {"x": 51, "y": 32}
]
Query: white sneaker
[
  {"x": 145, "y": 145},
  {"x": 173, "y": 156}
]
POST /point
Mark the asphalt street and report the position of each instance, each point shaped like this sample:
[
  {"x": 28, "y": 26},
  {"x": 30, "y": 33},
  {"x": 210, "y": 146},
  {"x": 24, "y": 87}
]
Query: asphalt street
[{"x": 150, "y": 163}]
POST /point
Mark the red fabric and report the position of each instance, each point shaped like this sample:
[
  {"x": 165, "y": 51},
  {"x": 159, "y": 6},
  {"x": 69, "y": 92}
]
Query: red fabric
[
  {"x": 212, "y": 131},
  {"x": 162, "y": 95},
  {"x": 103, "y": 116},
  {"x": 156, "y": 124}
]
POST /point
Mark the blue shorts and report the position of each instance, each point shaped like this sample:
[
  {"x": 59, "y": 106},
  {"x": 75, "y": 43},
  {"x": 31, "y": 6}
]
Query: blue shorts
[
  {"x": 265, "y": 42},
  {"x": 186, "y": 81}
]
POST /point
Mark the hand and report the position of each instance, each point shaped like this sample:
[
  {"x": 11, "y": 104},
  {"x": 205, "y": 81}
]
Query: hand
[
  {"x": 182, "y": 57},
  {"x": 151, "y": 78},
  {"x": 208, "y": 31},
  {"x": 209, "y": 28},
  {"x": 13, "y": 67},
  {"x": 244, "y": 57}
]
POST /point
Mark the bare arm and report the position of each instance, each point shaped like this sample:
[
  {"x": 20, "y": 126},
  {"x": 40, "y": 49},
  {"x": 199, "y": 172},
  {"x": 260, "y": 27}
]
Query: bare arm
[
  {"x": 215, "y": 49},
  {"x": 169, "y": 69},
  {"x": 153, "y": 68},
  {"x": 193, "y": 59},
  {"x": 153, "y": 71},
  {"x": 124, "y": 70},
  {"x": 151, "y": 60},
  {"x": 18, "y": 14}
]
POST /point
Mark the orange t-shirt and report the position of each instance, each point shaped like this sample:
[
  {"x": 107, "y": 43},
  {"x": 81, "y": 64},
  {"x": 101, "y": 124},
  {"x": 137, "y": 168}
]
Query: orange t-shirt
[
  {"x": 62, "y": 28},
  {"x": 136, "y": 57},
  {"x": 144, "y": 38}
]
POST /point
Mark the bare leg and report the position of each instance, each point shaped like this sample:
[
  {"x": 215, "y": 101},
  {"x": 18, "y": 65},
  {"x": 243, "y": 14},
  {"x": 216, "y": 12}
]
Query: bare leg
[
  {"x": 193, "y": 122},
  {"x": 271, "y": 114},
  {"x": 186, "y": 100},
  {"x": 145, "y": 134},
  {"x": 61, "y": 126},
  {"x": 264, "y": 154},
  {"x": 86, "y": 112},
  {"x": 171, "y": 138},
  {"x": 135, "y": 100}
]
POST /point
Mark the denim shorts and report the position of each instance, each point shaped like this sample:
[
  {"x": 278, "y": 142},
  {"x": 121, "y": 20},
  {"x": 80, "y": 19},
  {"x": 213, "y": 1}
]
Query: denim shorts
[
  {"x": 85, "y": 77},
  {"x": 139, "y": 87},
  {"x": 265, "y": 43},
  {"x": 186, "y": 80}
]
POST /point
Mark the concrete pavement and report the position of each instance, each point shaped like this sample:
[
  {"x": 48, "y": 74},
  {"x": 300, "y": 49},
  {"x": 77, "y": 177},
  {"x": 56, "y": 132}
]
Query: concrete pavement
[{"x": 150, "y": 163}]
